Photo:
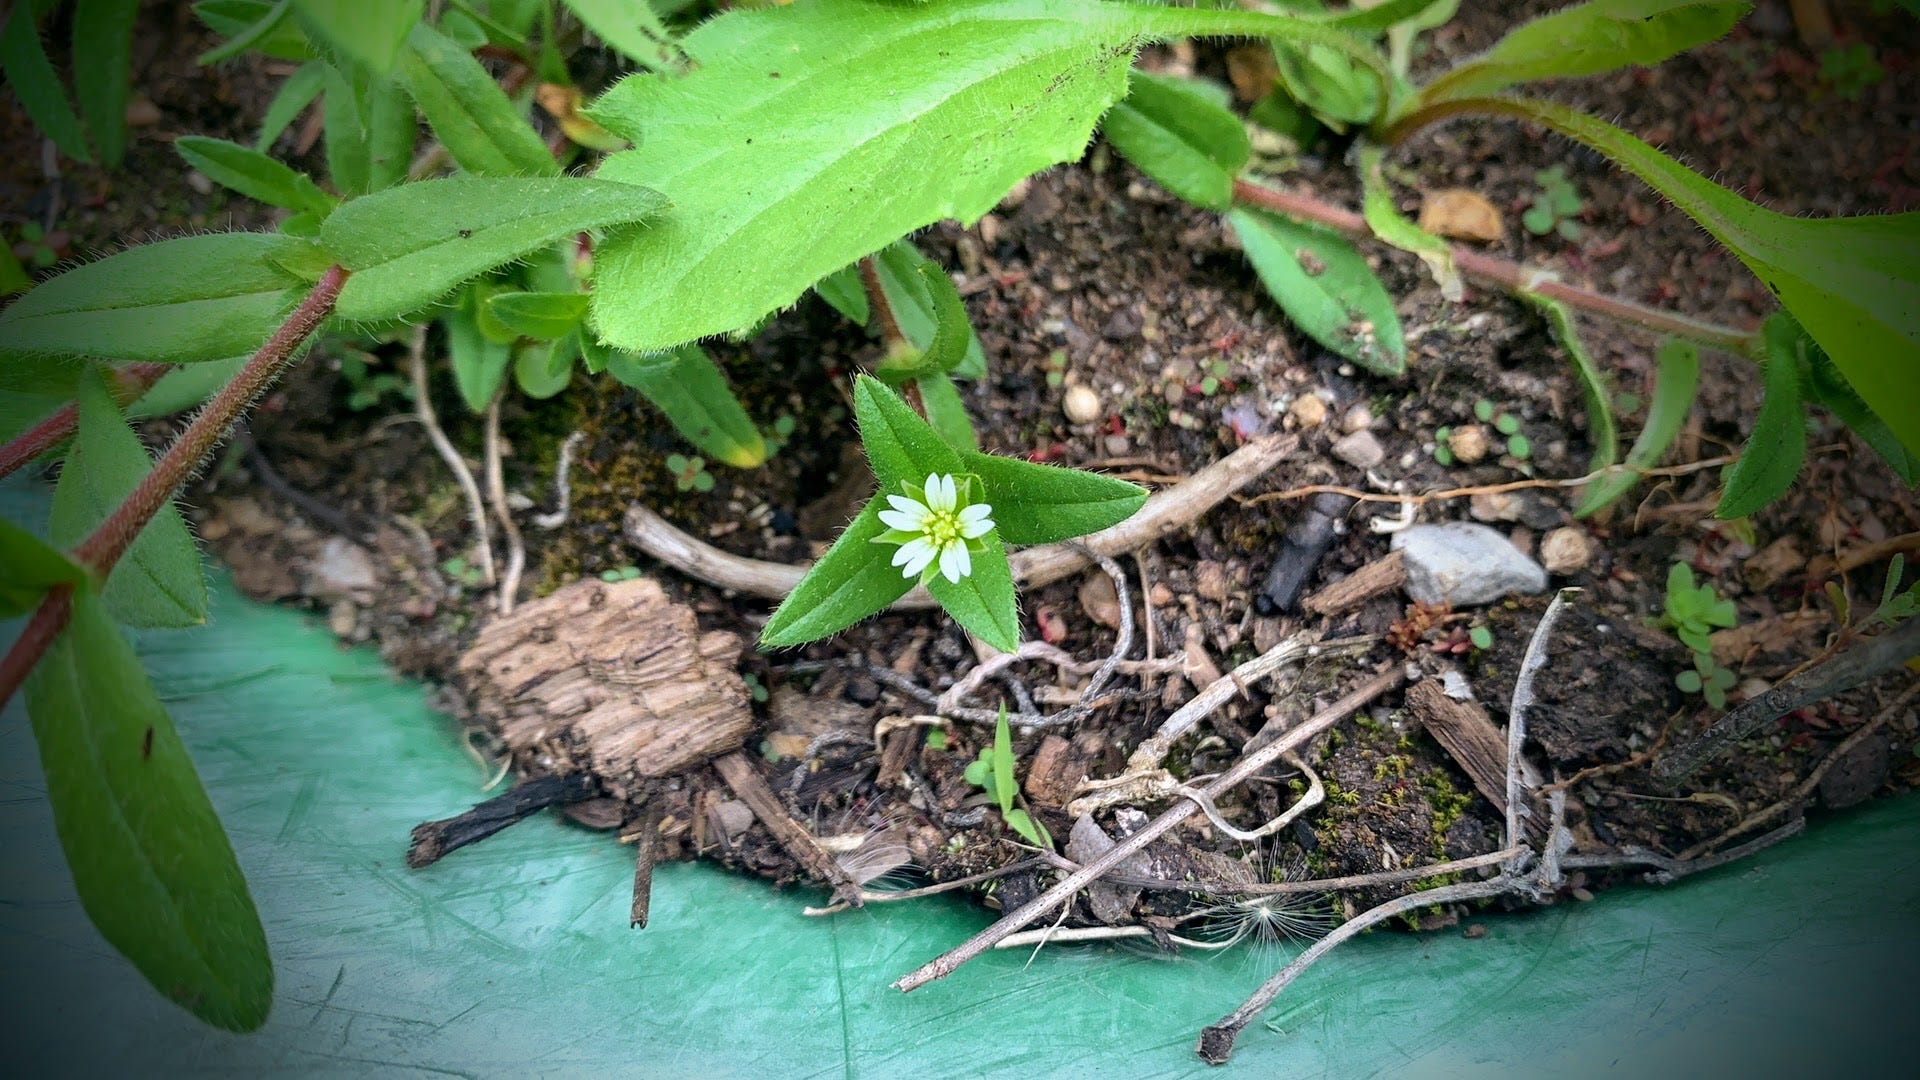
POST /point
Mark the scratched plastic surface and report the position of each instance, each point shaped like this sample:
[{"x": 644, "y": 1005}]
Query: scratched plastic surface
[{"x": 513, "y": 958}]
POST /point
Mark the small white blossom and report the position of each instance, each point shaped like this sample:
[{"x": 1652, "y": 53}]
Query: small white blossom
[{"x": 930, "y": 524}]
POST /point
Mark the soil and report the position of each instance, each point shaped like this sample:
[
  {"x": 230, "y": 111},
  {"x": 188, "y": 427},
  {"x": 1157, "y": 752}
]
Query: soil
[{"x": 1090, "y": 276}]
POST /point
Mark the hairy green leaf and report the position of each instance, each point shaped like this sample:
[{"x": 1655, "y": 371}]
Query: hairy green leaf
[
  {"x": 1395, "y": 228},
  {"x": 370, "y": 32},
  {"x": 35, "y": 85},
  {"x": 29, "y": 567},
  {"x": 159, "y": 581},
  {"x": 1853, "y": 282},
  {"x": 473, "y": 117},
  {"x": 982, "y": 601},
  {"x": 543, "y": 316},
  {"x": 103, "y": 53},
  {"x": 1181, "y": 136},
  {"x": 1380, "y": 18},
  {"x": 1005, "y": 784},
  {"x": 1044, "y": 504},
  {"x": 850, "y": 582},
  {"x": 844, "y": 292},
  {"x": 946, "y": 413},
  {"x": 1774, "y": 452},
  {"x": 632, "y": 27},
  {"x": 542, "y": 369},
  {"x": 1826, "y": 385},
  {"x": 694, "y": 395},
  {"x": 185, "y": 387},
  {"x": 292, "y": 99},
  {"x": 1325, "y": 287},
  {"x": 952, "y": 336},
  {"x": 900, "y": 445},
  {"x": 149, "y": 859},
  {"x": 1602, "y": 433},
  {"x": 370, "y": 131},
  {"x": 907, "y": 279},
  {"x": 1589, "y": 39},
  {"x": 255, "y": 25},
  {"x": 1676, "y": 374},
  {"x": 411, "y": 245},
  {"x": 479, "y": 362},
  {"x": 177, "y": 301},
  {"x": 252, "y": 173}
]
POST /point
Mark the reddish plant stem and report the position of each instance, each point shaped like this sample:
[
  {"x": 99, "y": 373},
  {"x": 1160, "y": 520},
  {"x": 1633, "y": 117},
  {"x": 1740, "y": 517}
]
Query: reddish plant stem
[
  {"x": 890, "y": 333},
  {"x": 100, "y": 551},
  {"x": 129, "y": 383},
  {"x": 45, "y": 625},
  {"x": 1509, "y": 275}
]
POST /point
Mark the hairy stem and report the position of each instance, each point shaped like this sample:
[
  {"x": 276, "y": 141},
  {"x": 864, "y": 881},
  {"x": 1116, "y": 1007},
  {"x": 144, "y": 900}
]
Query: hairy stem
[
  {"x": 48, "y": 620},
  {"x": 128, "y": 384}
]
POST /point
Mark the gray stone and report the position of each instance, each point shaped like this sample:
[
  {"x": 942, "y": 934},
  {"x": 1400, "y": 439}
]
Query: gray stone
[
  {"x": 1360, "y": 450},
  {"x": 343, "y": 570},
  {"x": 1464, "y": 564}
]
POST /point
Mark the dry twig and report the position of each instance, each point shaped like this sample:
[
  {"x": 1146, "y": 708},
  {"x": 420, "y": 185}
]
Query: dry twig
[
  {"x": 497, "y": 497},
  {"x": 423, "y": 409}
]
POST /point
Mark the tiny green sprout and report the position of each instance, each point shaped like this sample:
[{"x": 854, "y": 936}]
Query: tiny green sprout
[
  {"x": 1627, "y": 402},
  {"x": 756, "y": 689},
  {"x": 1217, "y": 372},
  {"x": 1693, "y": 611},
  {"x": 1506, "y": 424},
  {"x": 461, "y": 571},
  {"x": 992, "y": 772},
  {"x": 1850, "y": 70},
  {"x": 1481, "y": 637},
  {"x": 1483, "y": 410},
  {"x": 1056, "y": 368},
  {"x": 619, "y": 574},
  {"x": 1896, "y": 606},
  {"x": 41, "y": 254},
  {"x": 1519, "y": 446},
  {"x": 782, "y": 433},
  {"x": 936, "y": 738},
  {"x": 1555, "y": 205},
  {"x": 1442, "y": 453},
  {"x": 690, "y": 473}
]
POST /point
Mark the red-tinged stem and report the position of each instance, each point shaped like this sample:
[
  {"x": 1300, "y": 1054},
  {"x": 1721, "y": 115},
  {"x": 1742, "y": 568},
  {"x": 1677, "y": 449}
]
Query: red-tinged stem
[
  {"x": 1510, "y": 275},
  {"x": 99, "y": 552},
  {"x": 130, "y": 383},
  {"x": 47, "y": 622}
]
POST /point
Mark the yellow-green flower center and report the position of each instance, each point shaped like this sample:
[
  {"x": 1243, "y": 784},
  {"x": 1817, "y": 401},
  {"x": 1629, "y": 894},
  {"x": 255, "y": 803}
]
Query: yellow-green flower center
[{"x": 941, "y": 527}]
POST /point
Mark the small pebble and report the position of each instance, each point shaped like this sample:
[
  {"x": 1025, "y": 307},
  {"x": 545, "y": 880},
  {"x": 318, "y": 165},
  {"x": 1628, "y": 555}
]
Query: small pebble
[
  {"x": 1469, "y": 444},
  {"x": 1358, "y": 418},
  {"x": 1081, "y": 404},
  {"x": 1566, "y": 551},
  {"x": 142, "y": 113},
  {"x": 1210, "y": 580},
  {"x": 1308, "y": 412},
  {"x": 1159, "y": 595},
  {"x": 1477, "y": 930},
  {"x": 1360, "y": 449},
  {"x": 200, "y": 183}
]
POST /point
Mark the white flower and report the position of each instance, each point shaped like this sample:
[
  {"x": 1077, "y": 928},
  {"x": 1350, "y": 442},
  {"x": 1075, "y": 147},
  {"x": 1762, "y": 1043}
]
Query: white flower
[{"x": 929, "y": 523}]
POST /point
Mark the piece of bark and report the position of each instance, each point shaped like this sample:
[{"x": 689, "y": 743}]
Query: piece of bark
[
  {"x": 608, "y": 678},
  {"x": 646, "y": 851},
  {"x": 747, "y": 783},
  {"x": 1377, "y": 578},
  {"x": 1467, "y": 733},
  {"x": 433, "y": 840}
]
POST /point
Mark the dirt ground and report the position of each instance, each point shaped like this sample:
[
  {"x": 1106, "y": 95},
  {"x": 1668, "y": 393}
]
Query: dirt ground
[{"x": 1091, "y": 277}]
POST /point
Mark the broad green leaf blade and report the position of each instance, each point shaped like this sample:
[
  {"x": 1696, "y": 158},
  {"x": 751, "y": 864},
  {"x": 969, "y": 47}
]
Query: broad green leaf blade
[
  {"x": 479, "y": 362},
  {"x": 252, "y": 173},
  {"x": 903, "y": 271},
  {"x": 1854, "y": 283},
  {"x": 159, "y": 581},
  {"x": 292, "y": 99},
  {"x": 411, "y": 245},
  {"x": 543, "y": 316},
  {"x": 473, "y": 117},
  {"x": 149, "y": 859},
  {"x": 1181, "y": 136},
  {"x": 370, "y": 131},
  {"x": 1393, "y": 227},
  {"x": 850, "y": 582},
  {"x": 1044, "y": 504},
  {"x": 29, "y": 567},
  {"x": 1778, "y": 445},
  {"x": 1827, "y": 386},
  {"x": 369, "y": 32},
  {"x": 952, "y": 334},
  {"x": 946, "y": 413},
  {"x": 632, "y": 27},
  {"x": 178, "y": 301},
  {"x": 842, "y": 289},
  {"x": 1589, "y": 39},
  {"x": 1380, "y": 18},
  {"x": 1325, "y": 287},
  {"x": 1004, "y": 782},
  {"x": 1676, "y": 375},
  {"x": 983, "y": 601},
  {"x": 103, "y": 55},
  {"x": 901, "y": 446},
  {"x": 24, "y": 61},
  {"x": 542, "y": 369},
  {"x": 694, "y": 395},
  {"x": 256, "y": 25},
  {"x": 1602, "y": 433}
]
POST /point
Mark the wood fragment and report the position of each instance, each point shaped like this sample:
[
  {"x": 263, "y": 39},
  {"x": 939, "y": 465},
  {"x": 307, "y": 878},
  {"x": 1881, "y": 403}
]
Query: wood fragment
[
  {"x": 746, "y": 782},
  {"x": 1377, "y": 578},
  {"x": 434, "y": 840},
  {"x": 1468, "y": 734},
  {"x": 646, "y": 851}
]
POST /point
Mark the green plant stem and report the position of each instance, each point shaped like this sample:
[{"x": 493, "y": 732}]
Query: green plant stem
[
  {"x": 1510, "y": 275},
  {"x": 129, "y": 383}
]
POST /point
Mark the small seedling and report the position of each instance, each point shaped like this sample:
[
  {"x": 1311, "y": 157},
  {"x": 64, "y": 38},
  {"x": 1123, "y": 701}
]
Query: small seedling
[
  {"x": 936, "y": 738},
  {"x": 464, "y": 572},
  {"x": 366, "y": 387},
  {"x": 33, "y": 247},
  {"x": 1442, "y": 453},
  {"x": 690, "y": 473},
  {"x": 1481, "y": 637},
  {"x": 1555, "y": 205},
  {"x": 992, "y": 772},
  {"x": 1056, "y": 368},
  {"x": 620, "y": 573},
  {"x": 1895, "y": 606},
  {"x": 1216, "y": 377},
  {"x": 1693, "y": 611},
  {"x": 1850, "y": 70},
  {"x": 781, "y": 434},
  {"x": 756, "y": 689}
]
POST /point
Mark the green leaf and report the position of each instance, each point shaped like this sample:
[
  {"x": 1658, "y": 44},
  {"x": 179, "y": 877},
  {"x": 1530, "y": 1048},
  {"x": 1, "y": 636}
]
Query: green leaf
[
  {"x": 28, "y": 568},
  {"x": 13, "y": 276},
  {"x": 843, "y": 290},
  {"x": 626, "y": 367},
  {"x": 1826, "y": 385},
  {"x": 694, "y": 395},
  {"x": 370, "y": 131},
  {"x": 1676, "y": 375},
  {"x": 292, "y": 99},
  {"x": 900, "y": 445},
  {"x": 473, "y": 117},
  {"x": 1337, "y": 91},
  {"x": 542, "y": 369},
  {"x": 1044, "y": 504},
  {"x": 952, "y": 334},
  {"x": 411, "y": 245},
  {"x": 1778, "y": 445},
  {"x": 630, "y": 26},
  {"x": 1180, "y": 136},
  {"x": 982, "y": 601},
  {"x": 479, "y": 362},
  {"x": 542, "y": 316},
  {"x": 1688, "y": 681},
  {"x": 252, "y": 24},
  {"x": 1004, "y": 782},
  {"x": 906, "y": 279},
  {"x": 946, "y": 413},
  {"x": 252, "y": 173},
  {"x": 1325, "y": 287},
  {"x": 850, "y": 582},
  {"x": 1854, "y": 282},
  {"x": 1030, "y": 830},
  {"x": 35, "y": 85},
  {"x": 149, "y": 859},
  {"x": 1601, "y": 430},
  {"x": 185, "y": 387},
  {"x": 1589, "y": 39},
  {"x": 1380, "y": 18},
  {"x": 177, "y": 301},
  {"x": 158, "y": 582},
  {"x": 1393, "y": 227},
  {"x": 369, "y": 32},
  {"x": 103, "y": 55}
]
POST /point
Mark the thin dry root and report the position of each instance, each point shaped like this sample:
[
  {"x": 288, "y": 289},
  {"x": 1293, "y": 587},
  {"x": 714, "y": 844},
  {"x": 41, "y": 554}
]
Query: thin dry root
[
  {"x": 497, "y": 497},
  {"x": 423, "y": 409}
]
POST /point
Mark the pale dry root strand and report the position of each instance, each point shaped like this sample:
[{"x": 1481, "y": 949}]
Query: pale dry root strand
[
  {"x": 497, "y": 498},
  {"x": 423, "y": 410}
]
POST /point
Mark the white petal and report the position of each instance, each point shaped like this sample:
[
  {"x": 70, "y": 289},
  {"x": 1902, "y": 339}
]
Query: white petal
[
  {"x": 940, "y": 493},
  {"x": 974, "y": 522},
  {"x": 955, "y": 563},
  {"x": 906, "y": 505},
  {"x": 904, "y": 521},
  {"x": 916, "y": 555}
]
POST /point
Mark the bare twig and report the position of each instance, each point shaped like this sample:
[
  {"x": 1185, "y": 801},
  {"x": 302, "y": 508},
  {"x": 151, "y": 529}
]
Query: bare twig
[
  {"x": 434, "y": 840},
  {"x": 1316, "y": 794},
  {"x": 1670, "y": 869},
  {"x": 423, "y": 408},
  {"x": 805, "y": 848},
  {"x": 884, "y": 896},
  {"x": 1308, "y": 887},
  {"x": 497, "y": 497},
  {"x": 1522, "y": 701},
  {"x": 562, "y": 485}
]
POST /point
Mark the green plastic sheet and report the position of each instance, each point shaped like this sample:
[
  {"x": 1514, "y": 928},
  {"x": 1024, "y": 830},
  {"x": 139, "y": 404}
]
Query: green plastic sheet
[{"x": 513, "y": 958}]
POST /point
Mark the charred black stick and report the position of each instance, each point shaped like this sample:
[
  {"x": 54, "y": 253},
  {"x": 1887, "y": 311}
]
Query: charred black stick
[{"x": 433, "y": 840}]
